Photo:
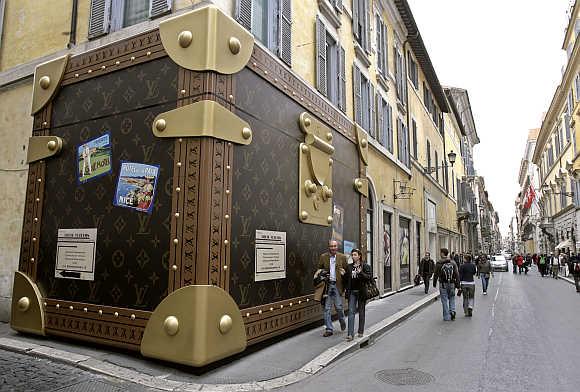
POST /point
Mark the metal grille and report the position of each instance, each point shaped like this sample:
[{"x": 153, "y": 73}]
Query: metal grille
[{"x": 407, "y": 376}]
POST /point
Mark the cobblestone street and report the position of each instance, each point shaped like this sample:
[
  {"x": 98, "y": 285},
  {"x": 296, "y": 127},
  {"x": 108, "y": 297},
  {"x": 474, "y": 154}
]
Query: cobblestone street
[{"x": 25, "y": 373}]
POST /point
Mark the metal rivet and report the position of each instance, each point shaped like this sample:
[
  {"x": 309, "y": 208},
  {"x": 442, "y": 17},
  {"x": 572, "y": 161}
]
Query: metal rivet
[
  {"x": 231, "y": 97},
  {"x": 103, "y": 66},
  {"x": 184, "y": 38},
  {"x": 90, "y": 71},
  {"x": 32, "y": 259},
  {"x": 44, "y": 123},
  {"x": 182, "y": 92},
  {"x": 160, "y": 125},
  {"x": 265, "y": 72},
  {"x": 304, "y": 148},
  {"x": 180, "y": 140},
  {"x": 132, "y": 317},
  {"x": 174, "y": 267},
  {"x": 291, "y": 304},
  {"x": 23, "y": 304},
  {"x": 329, "y": 219},
  {"x": 307, "y": 299},
  {"x": 51, "y": 145},
  {"x": 227, "y": 217},
  {"x": 235, "y": 45},
  {"x": 299, "y": 302},
  {"x": 178, "y": 164},
  {"x": 171, "y": 325},
  {"x": 225, "y": 267},
  {"x": 329, "y": 161},
  {"x": 247, "y": 314},
  {"x": 246, "y": 133},
  {"x": 363, "y": 143},
  {"x": 76, "y": 75},
  {"x": 226, "y": 323},
  {"x": 45, "y": 304},
  {"x": 227, "y": 191},
  {"x": 276, "y": 80},
  {"x": 36, "y": 219},
  {"x": 44, "y": 82},
  {"x": 329, "y": 136},
  {"x": 148, "y": 53},
  {"x": 294, "y": 93},
  {"x": 271, "y": 309},
  {"x": 304, "y": 215},
  {"x": 281, "y": 306},
  {"x": 260, "y": 311},
  {"x": 85, "y": 310},
  {"x": 226, "y": 242},
  {"x": 71, "y": 307},
  {"x": 100, "y": 312},
  {"x": 254, "y": 64},
  {"x": 178, "y": 189},
  {"x": 39, "y": 180},
  {"x": 33, "y": 239},
  {"x": 117, "y": 62},
  {"x": 116, "y": 314},
  {"x": 307, "y": 122},
  {"x": 177, "y": 214},
  {"x": 57, "y": 306},
  {"x": 38, "y": 200},
  {"x": 228, "y": 167},
  {"x": 176, "y": 241},
  {"x": 132, "y": 58}
]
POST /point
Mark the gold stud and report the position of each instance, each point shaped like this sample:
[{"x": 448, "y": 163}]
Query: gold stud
[
  {"x": 184, "y": 38},
  {"x": 103, "y": 66},
  {"x": 171, "y": 325},
  {"x": 307, "y": 299},
  {"x": 226, "y": 323},
  {"x": 226, "y": 242},
  {"x": 271, "y": 309},
  {"x": 71, "y": 307},
  {"x": 225, "y": 267},
  {"x": 39, "y": 180},
  {"x": 329, "y": 161},
  {"x": 117, "y": 62},
  {"x": 44, "y": 123},
  {"x": 329, "y": 219},
  {"x": 304, "y": 148},
  {"x": 76, "y": 75},
  {"x": 174, "y": 267},
  {"x": 246, "y": 133},
  {"x": 33, "y": 239},
  {"x": 57, "y": 306},
  {"x": 100, "y": 312},
  {"x": 329, "y": 136},
  {"x": 304, "y": 215},
  {"x": 132, "y": 317},
  {"x": 45, "y": 304},
  {"x": 32, "y": 259},
  {"x": 276, "y": 80},
  {"x": 247, "y": 314},
  {"x": 85, "y": 310},
  {"x": 299, "y": 302},
  {"x": 291, "y": 304},
  {"x": 51, "y": 145},
  {"x": 228, "y": 167},
  {"x": 177, "y": 214},
  {"x": 182, "y": 92},
  {"x": 178, "y": 164},
  {"x": 178, "y": 189},
  {"x": 363, "y": 143},
  {"x": 44, "y": 82},
  {"x": 148, "y": 53},
  {"x": 235, "y": 45},
  {"x": 23, "y": 304},
  {"x": 38, "y": 200},
  {"x": 89, "y": 71},
  {"x": 36, "y": 219},
  {"x": 281, "y": 306},
  {"x": 227, "y": 217},
  {"x": 307, "y": 122},
  {"x": 180, "y": 140},
  {"x": 265, "y": 72},
  {"x": 116, "y": 314},
  {"x": 132, "y": 58},
  {"x": 254, "y": 64},
  {"x": 160, "y": 125},
  {"x": 260, "y": 311},
  {"x": 175, "y": 241},
  {"x": 231, "y": 97},
  {"x": 227, "y": 191}
]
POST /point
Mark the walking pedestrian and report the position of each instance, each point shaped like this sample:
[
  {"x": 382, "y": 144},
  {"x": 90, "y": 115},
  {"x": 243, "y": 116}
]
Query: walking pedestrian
[
  {"x": 466, "y": 272},
  {"x": 335, "y": 263},
  {"x": 542, "y": 265},
  {"x": 520, "y": 263},
  {"x": 426, "y": 268},
  {"x": 563, "y": 258},
  {"x": 515, "y": 263},
  {"x": 357, "y": 274},
  {"x": 484, "y": 271},
  {"x": 575, "y": 269},
  {"x": 555, "y": 264},
  {"x": 447, "y": 273}
]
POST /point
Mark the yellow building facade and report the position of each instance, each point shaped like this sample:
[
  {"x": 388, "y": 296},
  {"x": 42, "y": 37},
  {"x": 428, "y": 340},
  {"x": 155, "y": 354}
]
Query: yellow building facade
[{"x": 376, "y": 69}]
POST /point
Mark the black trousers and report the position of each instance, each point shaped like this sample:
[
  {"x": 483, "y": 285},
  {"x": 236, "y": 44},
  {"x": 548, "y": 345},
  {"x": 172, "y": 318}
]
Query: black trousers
[{"x": 426, "y": 278}]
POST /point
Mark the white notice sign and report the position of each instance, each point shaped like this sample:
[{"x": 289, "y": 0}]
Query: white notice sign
[
  {"x": 75, "y": 254},
  {"x": 270, "y": 255}
]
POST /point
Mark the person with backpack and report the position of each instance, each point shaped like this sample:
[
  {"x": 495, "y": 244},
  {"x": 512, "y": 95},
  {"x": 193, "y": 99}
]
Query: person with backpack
[
  {"x": 426, "y": 268},
  {"x": 575, "y": 269},
  {"x": 466, "y": 272},
  {"x": 447, "y": 273},
  {"x": 355, "y": 278},
  {"x": 484, "y": 271}
]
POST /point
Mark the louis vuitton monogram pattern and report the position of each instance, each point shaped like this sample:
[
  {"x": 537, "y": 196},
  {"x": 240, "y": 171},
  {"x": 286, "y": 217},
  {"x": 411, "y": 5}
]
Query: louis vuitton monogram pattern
[
  {"x": 265, "y": 186},
  {"x": 132, "y": 256}
]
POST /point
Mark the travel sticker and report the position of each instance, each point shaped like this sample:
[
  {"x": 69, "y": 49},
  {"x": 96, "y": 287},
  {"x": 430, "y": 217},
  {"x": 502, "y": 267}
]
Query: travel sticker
[
  {"x": 94, "y": 158},
  {"x": 136, "y": 186}
]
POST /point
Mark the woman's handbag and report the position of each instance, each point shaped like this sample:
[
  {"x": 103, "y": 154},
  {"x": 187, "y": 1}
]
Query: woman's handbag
[{"x": 371, "y": 290}]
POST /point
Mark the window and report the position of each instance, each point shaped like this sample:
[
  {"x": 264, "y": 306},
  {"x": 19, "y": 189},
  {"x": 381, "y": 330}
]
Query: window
[
  {"x": 428, "y": 156},
  {"x": 404, "y": 250},
  {"x": 557, "y": 143},
  {"x": 384, "y": 123},
  {"x": 270, "y": 22},
  {"x": 413, "y": 72},
  {"x": 330, "y": 67},
  {"x": 415, "y": 142},
  {"x": 418, "y": 240},
  {"x": 387, "y": 247},
  {"x": 112, "y": 15},
  {"x": 360, "y": 23},
  {"x": 577, "y": 87},
  {"x": 436, "y": 162},
  {"x": 400, "y": 78},
  {"x": 453, "y": 182},
  {"x": 382, "y": 47},
  {"x": 363, "y": 103},
  {"x": 403, "y": 143},
  {"x": 563, "y": 196}
]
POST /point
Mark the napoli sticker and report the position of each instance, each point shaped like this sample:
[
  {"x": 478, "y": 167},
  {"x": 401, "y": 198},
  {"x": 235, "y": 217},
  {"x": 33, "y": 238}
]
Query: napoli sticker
[
  {"x": 94, "y": 158},
  {"x": 136, "y": 186}
]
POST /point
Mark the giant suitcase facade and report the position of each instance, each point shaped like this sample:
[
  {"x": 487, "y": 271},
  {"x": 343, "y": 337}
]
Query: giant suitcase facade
[{"x": 243, "y": 148}]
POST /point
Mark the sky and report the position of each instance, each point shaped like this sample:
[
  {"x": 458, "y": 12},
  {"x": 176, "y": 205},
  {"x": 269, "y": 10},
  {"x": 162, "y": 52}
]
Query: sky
[{"x": 507, "y": 54}]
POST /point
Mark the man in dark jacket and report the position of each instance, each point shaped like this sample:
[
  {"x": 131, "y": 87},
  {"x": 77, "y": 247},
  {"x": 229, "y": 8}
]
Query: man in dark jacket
[
  {"x": 426, "y": 268},
  {"x": 575, "y": 270},
  {"x": 447, "y": 273}
]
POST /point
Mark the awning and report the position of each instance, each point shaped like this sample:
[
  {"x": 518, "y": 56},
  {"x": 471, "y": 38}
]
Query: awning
[{"x": 565, "y": 244}]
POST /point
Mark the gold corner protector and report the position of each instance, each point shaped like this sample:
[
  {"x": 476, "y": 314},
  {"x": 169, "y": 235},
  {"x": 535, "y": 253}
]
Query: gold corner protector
[
  {"x": 47, "y": 78},
  {"x": 42, "y": 147},
  {"x": 207, "y": 39},
  {"x": 362, "y": 140},
  {"x": 195, "y": 325},
  {"x": 27, "y": 314},
  {"x": 204, "y": 118},
  {"x": 361, "y": 185}
]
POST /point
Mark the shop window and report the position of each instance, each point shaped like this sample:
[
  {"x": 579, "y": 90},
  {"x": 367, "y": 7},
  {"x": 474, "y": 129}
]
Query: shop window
[
  {"x": 387, "y": 251},
  {"x": 404, "y": 251}
]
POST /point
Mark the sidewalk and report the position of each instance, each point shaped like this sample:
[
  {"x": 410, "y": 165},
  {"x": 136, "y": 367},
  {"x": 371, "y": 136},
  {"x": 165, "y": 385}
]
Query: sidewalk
[{"x": 265, "y": 367}]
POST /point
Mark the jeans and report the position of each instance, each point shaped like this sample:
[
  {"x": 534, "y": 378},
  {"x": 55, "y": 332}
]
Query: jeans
[
  {"x": 333, "y": 297},
  {"x": 426, "y": 279},
  {"x": 555, "y": 269},
  {"x": 447, "y": 291},
  {"x": 468, "y": 296},
  {"x": 356, "y": 302},
  {"x": 485, "y": 281},
  {"x": 577, "y": 282}
]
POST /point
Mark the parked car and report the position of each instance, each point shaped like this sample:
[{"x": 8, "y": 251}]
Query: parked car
[{"x": 499, "y": 262}]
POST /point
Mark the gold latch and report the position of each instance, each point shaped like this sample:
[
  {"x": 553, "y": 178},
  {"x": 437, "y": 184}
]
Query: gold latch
[
  {"x": 315, "y": 181},
  {"x": 363, "y": 144},
  {"x": 42, "y": 147},
  {"x": 207, "y": 40},
  {"x": 47, "y": 78},
  {"x": 204, "y": 118},
  {"x": 361, "y": 185}
]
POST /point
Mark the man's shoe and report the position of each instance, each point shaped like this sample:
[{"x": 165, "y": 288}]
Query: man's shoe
[
  {"x": 360, "y": 335},
  {"x": 327, "y": 334},
  {"x": 485, "y": 293},
  {"x": 452, "y": 315},
  {"x": 348, "y": 338},
  {"x": 343, "y": 326},
  {"x": 469, "y": 312}
]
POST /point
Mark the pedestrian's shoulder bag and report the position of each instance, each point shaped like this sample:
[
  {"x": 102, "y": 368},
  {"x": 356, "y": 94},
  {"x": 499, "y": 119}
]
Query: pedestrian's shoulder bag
[
  {"x": 370, "y": 289},
  {"x": 417, "y": 280},
  {"x": 446, "y": 273}
]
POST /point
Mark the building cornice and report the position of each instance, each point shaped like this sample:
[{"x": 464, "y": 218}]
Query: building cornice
[{"x": 571, "y": 24}]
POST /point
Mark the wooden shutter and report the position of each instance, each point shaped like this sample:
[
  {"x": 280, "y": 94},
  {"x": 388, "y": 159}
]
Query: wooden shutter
[
  {"x": 321, "y": 57},
  {"x": 357, "y": 95},
  {"x": 380, "y": 120},
  {"x": 367, "y": 25},
  {"x": 285, "y": 29},
  {"x": 341, "y": 79},
  {"x": 385, "y": 50},
  {"x": 99, "y": 17},
  {"x": 379, "y": 46},
  {"x": 244, "y": 13},
  {"x": 159, "y": 7},
  {"x": 355, "y": 16},
  {"x": 372, "y": 110},
  {"x": 389, "y": 128},
  {"x": 338, "y": 5}
]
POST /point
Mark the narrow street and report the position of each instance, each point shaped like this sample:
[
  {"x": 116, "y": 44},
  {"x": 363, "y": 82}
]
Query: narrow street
[{"x": 519, "y": 339}]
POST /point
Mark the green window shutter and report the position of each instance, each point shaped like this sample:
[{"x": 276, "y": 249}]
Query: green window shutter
[
  {"x": 244, "y": 13},
  {"x": 321, "y": 57},
  {"x": 357, "y": 95},
  {"x": 285, "y": 30},
  {"x": 341, "y": 79},
  {"x": 99, "y": 17},
  {"x": 159, "y": 7}
]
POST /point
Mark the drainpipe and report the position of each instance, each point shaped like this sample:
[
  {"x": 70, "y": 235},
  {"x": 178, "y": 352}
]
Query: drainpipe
[{"x": 72, "y": 36}]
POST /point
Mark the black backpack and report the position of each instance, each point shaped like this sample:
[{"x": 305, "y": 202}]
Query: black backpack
[{"x": 446, "y": 273}]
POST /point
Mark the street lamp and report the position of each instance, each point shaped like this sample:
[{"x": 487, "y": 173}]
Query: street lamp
[{"x": 451, "y": 157}]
